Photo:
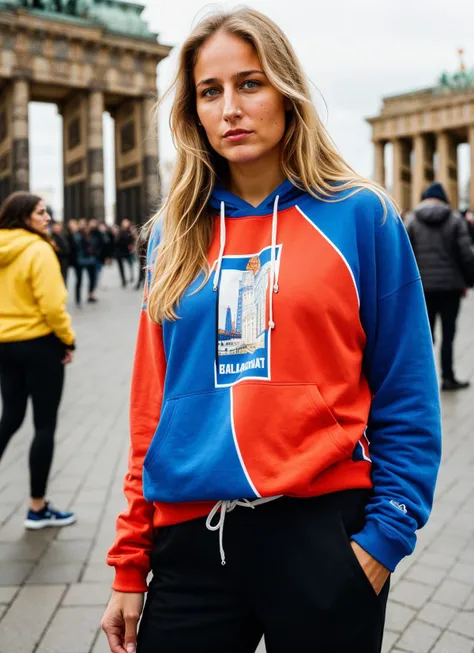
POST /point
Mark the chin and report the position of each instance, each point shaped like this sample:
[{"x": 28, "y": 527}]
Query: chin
[{"x": 242, "y": 154}]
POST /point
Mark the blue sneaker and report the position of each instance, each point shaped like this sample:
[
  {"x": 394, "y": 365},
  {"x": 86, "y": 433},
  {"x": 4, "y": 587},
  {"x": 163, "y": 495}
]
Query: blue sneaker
[{"x": 48, "y": 516}]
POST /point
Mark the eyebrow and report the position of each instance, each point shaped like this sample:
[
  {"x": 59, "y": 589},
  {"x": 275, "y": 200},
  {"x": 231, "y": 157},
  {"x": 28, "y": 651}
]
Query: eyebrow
[{"x": 244, "y": 73}]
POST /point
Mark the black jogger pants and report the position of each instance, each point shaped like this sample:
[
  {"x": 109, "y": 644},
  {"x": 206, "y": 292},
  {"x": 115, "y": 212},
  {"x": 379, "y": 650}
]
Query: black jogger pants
[
  {"x": 290, "y": 575},
  {"x": 32, "y": 368}
]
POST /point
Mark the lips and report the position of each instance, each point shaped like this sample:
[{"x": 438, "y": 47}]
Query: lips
[{"x": 236, "y": 135}]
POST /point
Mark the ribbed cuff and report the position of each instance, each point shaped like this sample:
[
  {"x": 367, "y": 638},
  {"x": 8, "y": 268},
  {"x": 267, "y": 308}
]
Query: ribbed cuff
[
  {"x": 130, "y": 579},
  {"x": 380, "y": 545}
]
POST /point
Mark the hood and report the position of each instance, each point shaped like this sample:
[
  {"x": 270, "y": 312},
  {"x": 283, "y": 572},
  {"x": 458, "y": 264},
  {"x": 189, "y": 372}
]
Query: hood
[
  {"x": 433, "y": 213},
  {"x": 236, "y": 207},
  {"x": 13, "y": 242}
]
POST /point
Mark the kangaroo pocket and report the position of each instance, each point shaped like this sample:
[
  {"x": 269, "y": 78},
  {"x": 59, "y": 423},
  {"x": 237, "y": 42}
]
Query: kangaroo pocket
[
  {"x": 288, "y": 437},
  {"x": 241, "y": 442},
  {"x": 193, "y": 456}
]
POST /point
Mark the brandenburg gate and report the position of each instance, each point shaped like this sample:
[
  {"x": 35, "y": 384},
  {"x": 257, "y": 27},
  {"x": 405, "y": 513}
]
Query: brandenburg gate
[
  {"x": 87, "y": 57},
  {"x": 425, "y": 127}
]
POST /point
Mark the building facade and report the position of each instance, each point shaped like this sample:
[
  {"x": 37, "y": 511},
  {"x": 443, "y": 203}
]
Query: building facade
[
  {"x": 425, "y": 129},
  {"x": 86, "y": 56}
]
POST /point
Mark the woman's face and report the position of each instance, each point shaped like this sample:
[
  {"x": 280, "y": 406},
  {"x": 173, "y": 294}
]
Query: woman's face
[
  {"x": 39, "y": 219},
  {"x": 242, "y": 114}
]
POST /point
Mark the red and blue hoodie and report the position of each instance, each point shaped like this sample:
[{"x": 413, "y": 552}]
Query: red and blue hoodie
[{"x": 303, "y": 366}]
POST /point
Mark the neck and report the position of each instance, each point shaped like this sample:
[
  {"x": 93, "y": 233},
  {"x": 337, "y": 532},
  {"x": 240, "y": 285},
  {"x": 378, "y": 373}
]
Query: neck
[{"x": 255, "y": 181}]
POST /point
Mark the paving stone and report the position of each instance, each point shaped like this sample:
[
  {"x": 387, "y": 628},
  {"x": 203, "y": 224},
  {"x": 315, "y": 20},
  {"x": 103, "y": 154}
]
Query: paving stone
[
  {"x": 411, "y": 594},
  {"x": 398, "y": 616},
  {"x": 98, "y": 573},
  {"x": 67, "y": 551},
  {"x": 438, "y": 560},
  {"x": 389, "y": 639},
  {"x": 14, "y": 573},
  {"x": 72, "y": 630},
  {"x": 452, "y": 592},
  {"x": 437, "y": 615},
  {"x": 425, "y": 574},
  {"x": 469, "y": 605},
  {"x": 451, "y": 643},
  {"x": 463, "y": 572},
  {"x": 419, "y": 637},
  {"x": 101, "y": 645},
  {"x": 50, "y": 573},
  {"x": 87, "y": 594},
  {"x": 7, "y": 594},
  {"x": 23, "y": 550},
  {"x": 463, "y": 624},
  {"x": 26, "y": 619}
]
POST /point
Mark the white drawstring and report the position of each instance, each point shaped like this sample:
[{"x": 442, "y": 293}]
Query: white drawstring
[
  {"x": 273, "y": 266},
  {"x": 228, "y": 506},
  {"x": 221, "y": 250}
]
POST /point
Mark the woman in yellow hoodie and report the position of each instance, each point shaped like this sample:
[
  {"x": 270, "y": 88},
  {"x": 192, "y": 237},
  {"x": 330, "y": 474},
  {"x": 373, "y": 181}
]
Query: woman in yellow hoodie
[{"x": 36, "y": 341}]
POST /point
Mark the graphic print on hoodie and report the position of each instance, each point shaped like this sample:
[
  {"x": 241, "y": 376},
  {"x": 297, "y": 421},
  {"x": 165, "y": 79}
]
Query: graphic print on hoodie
[
  {"x": 303, "y": 366},
  {"x": 243, "y": 333}
]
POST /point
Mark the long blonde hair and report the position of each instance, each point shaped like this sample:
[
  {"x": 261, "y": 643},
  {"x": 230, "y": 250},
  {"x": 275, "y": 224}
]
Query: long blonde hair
[{"x": 309, "y": 158}]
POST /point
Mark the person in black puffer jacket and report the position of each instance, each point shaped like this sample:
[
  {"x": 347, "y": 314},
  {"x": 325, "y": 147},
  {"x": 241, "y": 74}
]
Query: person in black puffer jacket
[{"x": 445, "y": 257}]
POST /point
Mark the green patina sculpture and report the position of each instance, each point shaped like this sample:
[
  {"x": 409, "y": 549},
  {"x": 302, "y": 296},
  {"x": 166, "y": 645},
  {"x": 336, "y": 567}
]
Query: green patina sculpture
[
  {"x": 462, "y": 80},
  {"x": 116, "y": 15}
]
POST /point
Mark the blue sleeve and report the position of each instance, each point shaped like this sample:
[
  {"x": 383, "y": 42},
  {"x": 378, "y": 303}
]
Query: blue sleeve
[{"x": 404, "y": 427}]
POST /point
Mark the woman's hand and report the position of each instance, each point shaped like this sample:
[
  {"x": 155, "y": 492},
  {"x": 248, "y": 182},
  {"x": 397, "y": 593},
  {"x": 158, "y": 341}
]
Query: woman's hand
[
  {"x": 68, "y": 357},
  {"x": 120, "y": 621},
  {"x": 374, "y": 570}
]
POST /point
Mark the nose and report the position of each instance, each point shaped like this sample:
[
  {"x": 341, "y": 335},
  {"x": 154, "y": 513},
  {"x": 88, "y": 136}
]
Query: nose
[{"x": 231, "y": 111}]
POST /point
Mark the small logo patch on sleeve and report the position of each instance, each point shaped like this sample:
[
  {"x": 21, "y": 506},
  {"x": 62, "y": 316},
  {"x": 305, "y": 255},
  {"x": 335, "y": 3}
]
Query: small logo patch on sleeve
[{"x": 399, "y": 506}]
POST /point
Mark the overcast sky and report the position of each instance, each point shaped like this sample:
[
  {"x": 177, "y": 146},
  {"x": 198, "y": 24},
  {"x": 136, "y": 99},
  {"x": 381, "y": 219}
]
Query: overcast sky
[{"x": 354, "y": 53}]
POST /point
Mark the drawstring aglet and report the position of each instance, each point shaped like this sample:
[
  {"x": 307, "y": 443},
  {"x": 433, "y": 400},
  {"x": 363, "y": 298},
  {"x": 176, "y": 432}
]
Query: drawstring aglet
[
  {"x": 271, "y": 324},
  {"x": 275, "y": 288}
]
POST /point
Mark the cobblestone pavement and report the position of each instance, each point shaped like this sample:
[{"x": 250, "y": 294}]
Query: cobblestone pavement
[{"x": 54, "y": 584}]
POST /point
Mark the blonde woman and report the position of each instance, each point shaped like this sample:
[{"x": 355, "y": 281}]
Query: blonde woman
[{"x": 285, "y": 425}]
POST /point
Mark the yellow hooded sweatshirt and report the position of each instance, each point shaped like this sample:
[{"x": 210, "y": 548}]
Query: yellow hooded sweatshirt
[{"x": 32, "y": 293}]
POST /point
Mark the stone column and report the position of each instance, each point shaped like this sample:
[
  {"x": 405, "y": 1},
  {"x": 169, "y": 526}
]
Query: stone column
[
  {"x": 19, "y": 132},
  {"x": 151, "y": 194},
  {"x": 447, "y": 173},
  {"x": 402, "y": 173},
  {"x": 423, "y": 173},
  {"x": 471, "y": 186},
  {"x": 95, "y": 158},
  {"x": 379, "y": 162}
]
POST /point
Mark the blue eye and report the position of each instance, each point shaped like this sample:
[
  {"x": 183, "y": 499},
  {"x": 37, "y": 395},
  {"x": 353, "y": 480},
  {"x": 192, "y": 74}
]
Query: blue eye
[
  {"x": 209, "y": 92},
  {"x": 250, "y": 84}
]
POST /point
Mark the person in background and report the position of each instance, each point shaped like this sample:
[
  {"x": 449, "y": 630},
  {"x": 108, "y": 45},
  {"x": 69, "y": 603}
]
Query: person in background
[
  {"x": 469, "y": 217},
  {"x": 108, "y": 243},
  {"x": 36, "y": 342},
  {"x": 85, "y": 262},
  {"x": 125, "y": 247},
  {"x": 285, "y": 417},
  {"x": 62, "y": 248},
  {"x": 97, "y": 248},
  {"x": 445, "y": 257}
]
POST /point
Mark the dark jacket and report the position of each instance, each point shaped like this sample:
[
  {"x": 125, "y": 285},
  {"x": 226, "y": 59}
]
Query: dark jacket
[
  {"x": 61, "y": 247},
  {"x": 125, "y": 243},
  {"x": 442, "y": 246}
]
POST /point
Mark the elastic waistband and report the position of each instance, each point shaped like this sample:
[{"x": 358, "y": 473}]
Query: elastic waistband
[{"x": 226, "y": 506}]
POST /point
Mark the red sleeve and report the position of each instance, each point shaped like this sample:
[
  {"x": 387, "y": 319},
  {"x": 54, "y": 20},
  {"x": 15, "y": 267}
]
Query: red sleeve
[{"x": 130, "y": 554}]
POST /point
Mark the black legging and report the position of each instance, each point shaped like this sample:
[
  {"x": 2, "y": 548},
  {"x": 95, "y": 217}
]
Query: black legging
[{"x": 32, "y": 368}]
